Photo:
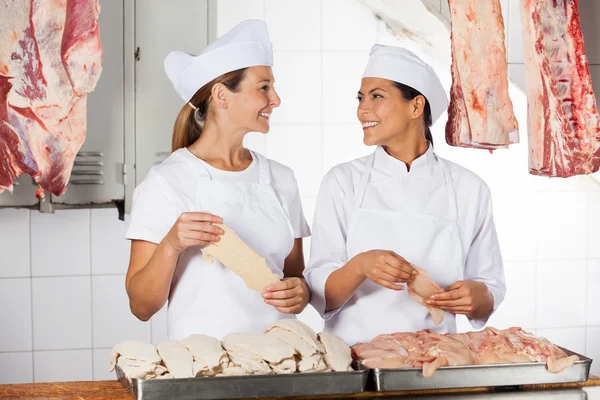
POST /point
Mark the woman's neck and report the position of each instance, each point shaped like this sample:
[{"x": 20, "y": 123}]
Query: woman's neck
[
  {"x": 222, "y": 148},
  {"x": 407, "y": 148}
]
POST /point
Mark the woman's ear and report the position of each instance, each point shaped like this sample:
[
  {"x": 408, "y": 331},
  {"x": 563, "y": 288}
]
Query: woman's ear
[
  {"x": 219, "y": 94},
  {"x": 418, "y": 105}
]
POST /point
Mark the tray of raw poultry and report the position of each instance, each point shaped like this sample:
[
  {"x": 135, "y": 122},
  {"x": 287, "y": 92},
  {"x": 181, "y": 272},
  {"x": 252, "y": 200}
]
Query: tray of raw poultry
[
  {"x": 288, "y": 359},
  {"x": 491, "y": 357}
]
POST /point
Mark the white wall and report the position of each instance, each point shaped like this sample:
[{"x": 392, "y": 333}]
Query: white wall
[{"x": 62, "y": 299}]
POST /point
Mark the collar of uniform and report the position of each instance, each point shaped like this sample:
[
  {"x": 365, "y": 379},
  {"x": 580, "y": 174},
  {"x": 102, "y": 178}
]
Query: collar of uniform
[
  {"x": 198, "y": 162},
  {"x": 385, "y": 161}
]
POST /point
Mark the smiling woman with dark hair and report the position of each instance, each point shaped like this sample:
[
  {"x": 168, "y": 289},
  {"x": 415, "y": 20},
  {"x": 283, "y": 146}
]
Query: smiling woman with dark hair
[{"x": 380, "y": 217}]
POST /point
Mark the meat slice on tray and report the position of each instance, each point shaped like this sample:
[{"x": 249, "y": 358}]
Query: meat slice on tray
[
  {"x": 563, "y": 122},
  {"x": 480, "y": 114}
]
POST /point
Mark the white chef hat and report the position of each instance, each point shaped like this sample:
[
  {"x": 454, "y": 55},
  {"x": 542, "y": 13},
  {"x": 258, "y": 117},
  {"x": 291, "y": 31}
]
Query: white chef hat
[
  {"x": 245, "y": 45},
  {"x": 403, "y": 66}
]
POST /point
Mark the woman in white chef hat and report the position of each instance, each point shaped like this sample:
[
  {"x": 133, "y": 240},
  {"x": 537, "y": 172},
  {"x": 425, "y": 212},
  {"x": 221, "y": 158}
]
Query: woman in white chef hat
[
  {"x": 211, "y": 178},
  {"x": 403, "y": 205}
]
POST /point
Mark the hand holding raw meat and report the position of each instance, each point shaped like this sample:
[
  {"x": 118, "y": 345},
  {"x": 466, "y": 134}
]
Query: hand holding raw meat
[
  {"x": 465, "y": 297},
  {"x": 421, "y": 288},
  {"x": 194, "y": 229},
  {"x": 386, "y": 268},
  {"x": 290, "y": 296}
]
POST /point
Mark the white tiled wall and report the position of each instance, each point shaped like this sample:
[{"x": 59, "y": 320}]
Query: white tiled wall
[{"x": 62, "y": 277}]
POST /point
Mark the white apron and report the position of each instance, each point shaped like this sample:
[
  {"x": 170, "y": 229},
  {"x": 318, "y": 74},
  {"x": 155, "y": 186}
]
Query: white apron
[
  {"x": 209, "y": 298},
  {"x": 430, "y": 242}
]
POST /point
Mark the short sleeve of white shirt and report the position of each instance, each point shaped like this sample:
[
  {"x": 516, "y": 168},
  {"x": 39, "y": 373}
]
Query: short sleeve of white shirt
[
  {"x": 153, "y": 213},
  {"x": 286, "y": 187}
]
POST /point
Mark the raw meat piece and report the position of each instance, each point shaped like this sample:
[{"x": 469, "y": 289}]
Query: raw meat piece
[
  {"x": 314, "y": 363},
  {"x": 563, "y": 121},
  {"x": 420, "y": 288},
  {"x": 134, "y": 350},
  {"x": 48, "y": 64},
  {"x": 82, "y": 55},
  {"x": 233, "y": 370},
  {"x": 236, "y": 255},
  {"x": 176, "y": 358},
  {"x": 246, "y": 362},
  {"x": 259, "y": 346},
  {"x": 540, "y": 350},
  {"x": 136, "y": 359},
  {"x": 135, "y": 369},
  {"x": 448, "y": 352},
  {"x": 302, "y": 348},
  {"x": 338, "y": 355},
  {"x": 209, "y": 356},
  {"x": 12, "y": 162},
  {"x": 302, "y": 332},
  {"x": 480, "y": 114}
]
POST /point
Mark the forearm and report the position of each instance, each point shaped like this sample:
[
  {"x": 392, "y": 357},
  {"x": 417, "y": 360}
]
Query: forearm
[
  {"x": 342, "y": 284},
  {"x": 149, "y": 288}
]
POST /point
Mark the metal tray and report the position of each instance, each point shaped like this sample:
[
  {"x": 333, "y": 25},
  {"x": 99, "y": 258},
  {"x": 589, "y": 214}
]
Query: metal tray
[
  {"x": 554, "y": 394},
  {"x": 394, "y": 379},
  {"x": 242, "y": 387}
]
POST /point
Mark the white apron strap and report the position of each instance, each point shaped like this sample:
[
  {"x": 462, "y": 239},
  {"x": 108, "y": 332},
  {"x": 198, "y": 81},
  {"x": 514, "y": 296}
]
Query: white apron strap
[
  {"x": 453, "y": 210},
  {"x": 359, "y": 194},
  {"x": 264, "y": 168},
  {"x": 451, "y": 192}
]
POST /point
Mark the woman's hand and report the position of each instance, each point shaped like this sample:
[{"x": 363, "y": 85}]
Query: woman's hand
[
  {"x": 471, "y": 298},
  {"x": 385, "y": 268},
  {"x": 289, "y": 296},
  {"x": 193, "y": 229}
]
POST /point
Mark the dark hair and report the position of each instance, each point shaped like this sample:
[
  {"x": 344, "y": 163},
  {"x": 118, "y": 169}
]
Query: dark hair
[
  {"x": 189, "y": 123},
  {"x": 409, "y": 93}
]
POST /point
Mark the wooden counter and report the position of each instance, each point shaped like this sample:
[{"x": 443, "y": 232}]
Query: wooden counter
[{"x": 104, "y": 390}]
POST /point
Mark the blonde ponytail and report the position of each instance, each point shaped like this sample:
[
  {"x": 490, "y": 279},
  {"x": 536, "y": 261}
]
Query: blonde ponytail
[{"x": 189, "y": 123}]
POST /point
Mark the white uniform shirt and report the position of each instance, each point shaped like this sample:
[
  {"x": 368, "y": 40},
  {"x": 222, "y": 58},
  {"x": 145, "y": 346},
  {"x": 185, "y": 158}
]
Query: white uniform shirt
[
  {"x": 261, "y": 204},
  {"x": 422, "y": 189},
  {"x": 170, "y": 189}
]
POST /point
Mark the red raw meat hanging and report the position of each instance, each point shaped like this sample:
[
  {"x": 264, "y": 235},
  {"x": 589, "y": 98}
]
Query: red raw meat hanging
[
  {"x": 50, "y": 58},
  {"x": 564, "y": 135},
  {"x": 480, "y": 114}
]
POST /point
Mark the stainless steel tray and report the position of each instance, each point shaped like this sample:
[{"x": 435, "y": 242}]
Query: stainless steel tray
[
  {"x": 554, "y": 394},
  {"x": 242, "y": 387},
  {"x": 394, "y": 379}
]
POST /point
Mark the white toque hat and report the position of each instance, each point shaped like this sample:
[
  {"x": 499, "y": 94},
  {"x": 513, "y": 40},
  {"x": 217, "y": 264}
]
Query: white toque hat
[
  {"x": 245, "y": 45},
  {"x": 403, "y": 66}
]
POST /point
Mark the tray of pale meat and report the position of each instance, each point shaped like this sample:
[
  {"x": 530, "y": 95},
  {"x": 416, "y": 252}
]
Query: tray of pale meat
[
  {"x": 491, "y": 357},
  {"x": 288, "y": 359}
]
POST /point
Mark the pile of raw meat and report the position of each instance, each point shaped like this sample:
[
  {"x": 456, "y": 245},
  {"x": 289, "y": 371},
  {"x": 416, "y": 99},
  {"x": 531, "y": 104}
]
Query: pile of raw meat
[
  {"x": 50, "y": 58},
  {"x": 288, "y": 346},
  {"x": 430, "y": 351}
]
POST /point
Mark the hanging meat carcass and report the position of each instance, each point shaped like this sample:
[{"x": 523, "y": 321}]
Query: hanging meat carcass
[
  {"x": 50, "y": 58},
  {"x": 563, "y": 122},
  {"x": 480, "y": 114}
]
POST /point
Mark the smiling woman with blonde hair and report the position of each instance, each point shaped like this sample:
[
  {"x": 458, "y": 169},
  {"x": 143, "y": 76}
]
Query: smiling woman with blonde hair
[{"x": 210, "y": 178}]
